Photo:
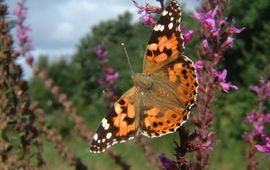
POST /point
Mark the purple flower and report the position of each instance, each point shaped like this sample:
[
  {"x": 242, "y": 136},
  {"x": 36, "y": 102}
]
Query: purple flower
[
  {"x": 267, "y": 90},
  {"x": 215, "y": 32},
  {"x": 101, "y": 52},
  {"x": 199, "y": 65},
  {"x": 256, "y": 89},
  {"x": 258, "y": 122},
  {"x": 267, "y": 117},
  {"x": 188, "y": 36},
  {"x": 182, "y": 28},
  {"x": 206, "y": 17},
  {"x": 227, "y": 86},
  {"x": 22, "y": 34},
  {"x": 208, "y": 20},
  {"x": 167, "y": 163},
  {"x": 266, "y": 147},
  {"x": 228, "y": 43},
  {"x": 110, "y": 75},
  {"x": 147, "y": 8},
  {"x": 147, "y": 19},
  {"x": 140, "y": 7},
  {"x": 252, "y": 117},
  {"x": 20, "y": 11},
  {"x": 264, "y": 89},
  {"x": 209, "y": 23},
  {"x": 234, "y": 30},
  {"x": 221, "y": 76},
  {"x": 259, "y": 128},
  {"x": 25, "y": 42},
  {"x": 205, "y": 44}
]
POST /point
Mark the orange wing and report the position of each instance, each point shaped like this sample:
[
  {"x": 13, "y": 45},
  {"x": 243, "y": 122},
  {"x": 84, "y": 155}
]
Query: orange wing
[
  {"x": 166, "y": 42},
  {"x": 119, "y": 125},
  {"x": 183, "y": 74},
  {"x": 167, "y": 105},
  {"x": 172, "y": 95}
]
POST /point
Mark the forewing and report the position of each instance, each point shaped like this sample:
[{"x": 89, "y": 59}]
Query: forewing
[
  {"x": 166, "y": 42},
  {"x": 119, "y": 125}
]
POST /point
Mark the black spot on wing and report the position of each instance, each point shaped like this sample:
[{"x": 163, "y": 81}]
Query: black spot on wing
[{"x": 129, "y": 120}]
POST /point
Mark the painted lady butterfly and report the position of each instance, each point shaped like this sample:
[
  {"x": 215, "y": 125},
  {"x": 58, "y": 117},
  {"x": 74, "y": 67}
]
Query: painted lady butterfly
[{"x": 163, "y": 93}]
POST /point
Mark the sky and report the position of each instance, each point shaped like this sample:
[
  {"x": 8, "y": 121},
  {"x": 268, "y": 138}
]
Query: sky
[{"x": 58, "y": 25}]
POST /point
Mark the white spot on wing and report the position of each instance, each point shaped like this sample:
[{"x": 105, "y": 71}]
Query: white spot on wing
[
  {"x": 109, "y": 135},
  {"x": 159, "y": 27},
  {"x": 95, "y": 137},
  {"x": 105, "y": 124},
  {"x": 170, "y": 26},
  {"x": 156, "y": 28},
  {"x": 164, "y": 13}
]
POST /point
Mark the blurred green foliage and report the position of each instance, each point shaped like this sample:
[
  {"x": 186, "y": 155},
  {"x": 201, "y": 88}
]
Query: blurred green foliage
[
  {"x": 78, "y": 75},
  {"x": 251, "y": 52}
]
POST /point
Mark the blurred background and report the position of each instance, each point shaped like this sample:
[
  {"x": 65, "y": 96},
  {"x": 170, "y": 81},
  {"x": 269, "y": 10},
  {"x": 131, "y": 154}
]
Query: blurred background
[
  {"x": 66, "y": 37},
  {"x": 65, "y": 22}
]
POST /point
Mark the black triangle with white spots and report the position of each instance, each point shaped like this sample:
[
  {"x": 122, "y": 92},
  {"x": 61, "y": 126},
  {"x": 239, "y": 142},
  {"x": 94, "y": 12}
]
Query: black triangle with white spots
[{"x": 168, "y": 23}]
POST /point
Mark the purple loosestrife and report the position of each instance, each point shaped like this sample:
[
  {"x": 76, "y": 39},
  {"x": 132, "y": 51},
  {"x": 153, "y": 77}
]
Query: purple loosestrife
[
  {"x": 20, "y": 140},
  {"x": 216, "y": 37},
  {"x": 221, "y": 76},
  {"x": 213, "y": 30},
  {"x": 109, "y": 76},
  {"x": 147, "y": 18},
  {"x": 147, "y": 11},
  {"x": 25, "y": 48},
  {"x": 186, "y": 35},
  {"x": 167, "y": 163},
  {"x": 24, "y": 41},
  {"x": 258, "y": 138}
]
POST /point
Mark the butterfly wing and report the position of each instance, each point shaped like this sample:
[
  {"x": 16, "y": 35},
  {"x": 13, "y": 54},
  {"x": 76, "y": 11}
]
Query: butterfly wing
[
  {"x": 172, "y": 95},
  {"x": 166, "y": 43},
  {"x": 167, "y": 104},
  {"x": 158, "y": 119},
  {"x": 182, "y": 73},
  {"x": 120, "y": 124}
]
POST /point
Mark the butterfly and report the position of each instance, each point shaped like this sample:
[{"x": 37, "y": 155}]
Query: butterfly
[{"x": 162, "y": 95}]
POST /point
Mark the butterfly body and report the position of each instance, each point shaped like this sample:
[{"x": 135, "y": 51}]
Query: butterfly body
[
  {"x": 162, "y": 95},
  {"x": 142, "y": 80}
]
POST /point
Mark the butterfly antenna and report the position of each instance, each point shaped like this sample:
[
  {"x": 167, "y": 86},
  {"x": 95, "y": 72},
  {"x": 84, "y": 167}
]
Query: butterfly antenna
[{"x": 128, "y": 58}]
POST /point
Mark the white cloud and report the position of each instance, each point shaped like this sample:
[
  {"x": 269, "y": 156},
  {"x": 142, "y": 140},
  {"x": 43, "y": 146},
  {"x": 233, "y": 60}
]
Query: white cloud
[{"x": 63, "y": 32}]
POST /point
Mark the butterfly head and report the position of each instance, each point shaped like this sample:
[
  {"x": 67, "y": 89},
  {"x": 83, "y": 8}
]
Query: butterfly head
[{"x": 142, "y": 80}]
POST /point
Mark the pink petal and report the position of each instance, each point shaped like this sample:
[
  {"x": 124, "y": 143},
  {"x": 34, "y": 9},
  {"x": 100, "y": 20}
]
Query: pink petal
[
  {"x": 188, "y": 36},
  {"x": 234, "y": 30}
]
